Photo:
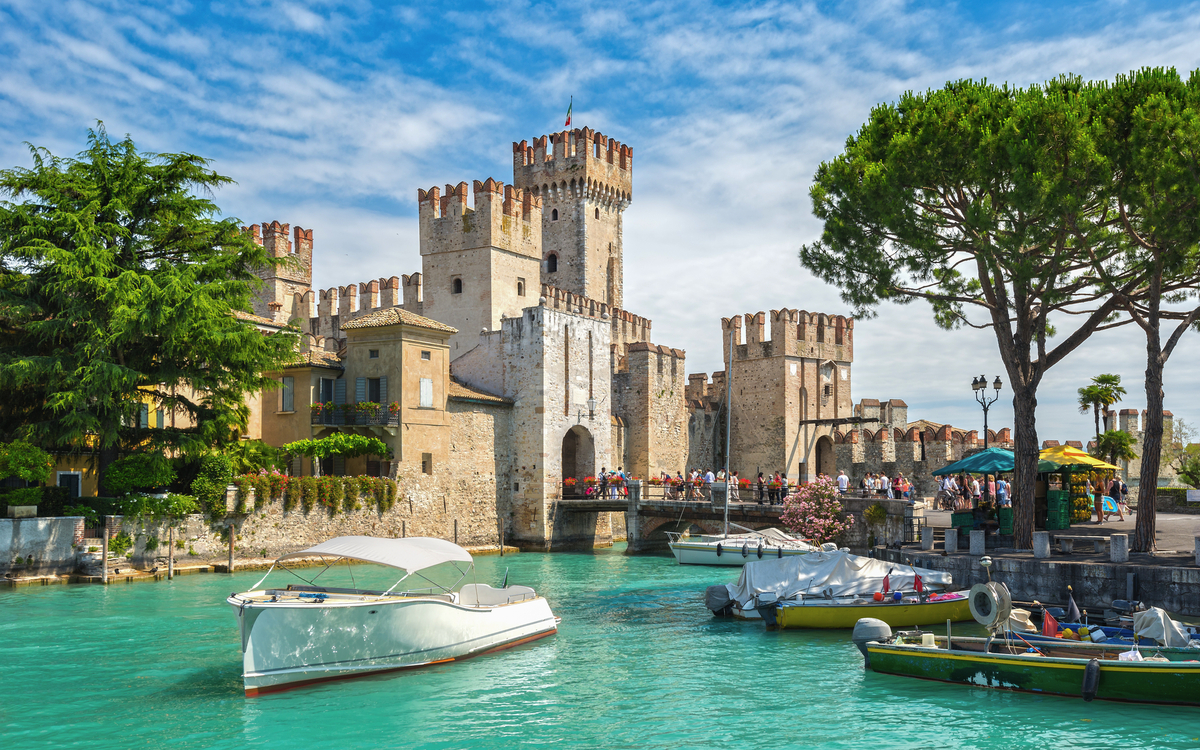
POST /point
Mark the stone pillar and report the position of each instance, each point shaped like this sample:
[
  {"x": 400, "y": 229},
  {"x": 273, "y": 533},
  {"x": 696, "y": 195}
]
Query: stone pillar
[
  {"x": 978, "y": 543},
  {"x": 927, "y": 539},
  {"x": 1041, "y": 544},
  {"x": 1118, "y": 548},
  {"x": 232, "y": 533},
  {"x": 171, "y": 552},
  {"x": 633, "y": 523},
  {"x": 951, "y": 540}
]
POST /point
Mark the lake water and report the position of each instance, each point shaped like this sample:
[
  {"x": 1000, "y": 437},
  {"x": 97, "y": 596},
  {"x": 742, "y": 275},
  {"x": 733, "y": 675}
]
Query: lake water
[{"x": 637, "y": 663}]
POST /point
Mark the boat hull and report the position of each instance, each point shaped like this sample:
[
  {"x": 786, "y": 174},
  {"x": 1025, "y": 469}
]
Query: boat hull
[
  {"x": 290, "y": 644},
  {"x": 815, "y": 614},
  {"x": 731, "y": 555},
  {"x": 1142, "y": 682}
]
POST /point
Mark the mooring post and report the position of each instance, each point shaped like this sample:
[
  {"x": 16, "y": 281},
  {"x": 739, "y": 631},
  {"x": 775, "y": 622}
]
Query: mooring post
[
  {"x": 231, "y": 547},
  {"x": 502, "y": 539},
  {"x": 170, "y": 553},
  {"x": 104, "y": 555},
  {"x": 456, "y": 531}
]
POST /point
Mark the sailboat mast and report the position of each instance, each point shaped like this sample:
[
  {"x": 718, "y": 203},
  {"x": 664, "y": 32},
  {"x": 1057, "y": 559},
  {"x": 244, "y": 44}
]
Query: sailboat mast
[{"x": 728, "y": 424}]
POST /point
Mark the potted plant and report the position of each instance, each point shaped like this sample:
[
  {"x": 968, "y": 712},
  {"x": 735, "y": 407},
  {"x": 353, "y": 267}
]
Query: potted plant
[
  {"x": 569, "y": 481},
  {"x": 394, "y": 407}
]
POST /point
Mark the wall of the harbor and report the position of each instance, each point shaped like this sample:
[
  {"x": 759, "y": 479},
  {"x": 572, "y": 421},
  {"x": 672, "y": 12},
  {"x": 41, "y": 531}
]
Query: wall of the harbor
[
  {"x": 1176, "y": 589},
  {"x": 50, "y": 541}
]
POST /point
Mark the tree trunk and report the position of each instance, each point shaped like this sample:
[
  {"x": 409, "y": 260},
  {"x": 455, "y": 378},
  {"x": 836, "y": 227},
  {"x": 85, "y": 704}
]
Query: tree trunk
[
  {"x": 1144, "y": 535},
  {"x": 107, "y": 456},
  {"x": 1025, "y": 448}
]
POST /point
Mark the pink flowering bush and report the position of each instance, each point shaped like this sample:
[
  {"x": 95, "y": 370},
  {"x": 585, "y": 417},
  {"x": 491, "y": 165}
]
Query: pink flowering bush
[{"x": 815, "y": 512}]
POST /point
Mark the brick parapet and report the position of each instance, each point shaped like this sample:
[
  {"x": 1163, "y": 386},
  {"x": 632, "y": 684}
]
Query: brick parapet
[
  {"x": 793, "y": 333},
  {"x": 503, "y": 216},
  {"x": 581, "y": 161}
]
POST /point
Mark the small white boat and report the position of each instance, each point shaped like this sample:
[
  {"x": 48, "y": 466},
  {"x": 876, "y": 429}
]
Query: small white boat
[
  {"x": 303, "y": 634},
  {"x": 735, "y": 549}
]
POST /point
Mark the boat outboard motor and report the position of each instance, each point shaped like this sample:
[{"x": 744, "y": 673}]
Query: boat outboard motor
[
  {"x": 717, "y": 599},
  {"x": 766, "y": 604},
  {"x": 869, "y": 629}
]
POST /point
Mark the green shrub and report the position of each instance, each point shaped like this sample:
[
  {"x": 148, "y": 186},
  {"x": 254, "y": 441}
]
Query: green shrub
[
  {"x": 23, "y": 496},
  {"x": 214, "y": 476},
  {"x": 308, "y": 492},
  {"x": 876, "y": 515},
  {"x": 90, "y": 517},
  {"x": 20, "y": 459},
  {"x": 54, "y": 500},
  {"x": 178, "y": 544},
  {"x": 140, "y": 472},
  {"x": 151, "y": 543},
  {"x": 118, "y": 544},
  {"x": 147, "y": 506}
]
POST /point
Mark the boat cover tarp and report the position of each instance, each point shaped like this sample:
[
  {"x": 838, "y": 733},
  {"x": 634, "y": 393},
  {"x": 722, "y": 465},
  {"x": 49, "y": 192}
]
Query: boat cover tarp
[
  {"x": 1155, "y": 623},
  {"x": 811, "y": 574},
  {"x": 410, "y": 554}
]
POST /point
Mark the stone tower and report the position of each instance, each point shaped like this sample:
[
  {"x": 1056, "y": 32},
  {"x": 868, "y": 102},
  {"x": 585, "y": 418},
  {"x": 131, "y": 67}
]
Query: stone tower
[
  {"x": 480, "y": 263},
  {"x": 585, "y": 181},
  {"x": 283, "y": 284}
]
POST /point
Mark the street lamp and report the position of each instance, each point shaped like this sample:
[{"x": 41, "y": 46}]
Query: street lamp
[
  {"x": 979, "y": 385},
  {"x": 591, "y": 406}
]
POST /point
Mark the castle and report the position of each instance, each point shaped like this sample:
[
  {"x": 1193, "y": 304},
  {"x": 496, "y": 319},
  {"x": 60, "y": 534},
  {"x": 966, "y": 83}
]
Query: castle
[{"x": 507, "y": 366}]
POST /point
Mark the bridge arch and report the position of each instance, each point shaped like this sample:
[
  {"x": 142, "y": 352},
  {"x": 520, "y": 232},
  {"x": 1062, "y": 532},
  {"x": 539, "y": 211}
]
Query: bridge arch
[{"x": 578, "y": 453}]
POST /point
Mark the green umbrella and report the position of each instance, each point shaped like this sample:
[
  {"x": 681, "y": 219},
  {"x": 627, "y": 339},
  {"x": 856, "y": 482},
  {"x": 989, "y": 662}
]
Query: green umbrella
[{"x": 990, "y": 461}]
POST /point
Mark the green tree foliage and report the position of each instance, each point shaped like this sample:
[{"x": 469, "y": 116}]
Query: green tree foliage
[
  {"x": 991, "y": 204},
  {"x": 1115, "y": 445},
  {"x": 118, "y": 282},
  {"x": 139, "y": 472},
  {"x": 1104, "y": 391},
  {"x": 250, "y": 456},
  {"x": 28, "y": 462},
  {"x": 1188, "y": 467},
  {"x": 216, "y": 473},
  {"x": 338, "y": 444},
  {"x": 1151, "y": 136}
]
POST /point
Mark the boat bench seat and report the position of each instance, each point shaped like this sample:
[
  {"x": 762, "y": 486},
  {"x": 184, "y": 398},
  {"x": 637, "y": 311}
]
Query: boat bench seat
[{"x": 1067, "y": 542}]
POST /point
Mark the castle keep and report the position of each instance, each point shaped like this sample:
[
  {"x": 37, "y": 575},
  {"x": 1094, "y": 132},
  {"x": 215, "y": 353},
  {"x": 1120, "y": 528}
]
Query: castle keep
[{"x": 507, "y": 365}]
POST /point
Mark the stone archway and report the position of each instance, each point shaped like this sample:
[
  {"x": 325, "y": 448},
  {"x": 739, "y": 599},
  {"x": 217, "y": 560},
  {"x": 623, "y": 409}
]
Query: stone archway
[
  {"x": 578, "y": 454},
  {"x": 826, "y": 461}
]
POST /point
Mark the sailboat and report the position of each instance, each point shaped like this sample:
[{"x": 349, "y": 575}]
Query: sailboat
[{"x": 740, "y": 547}]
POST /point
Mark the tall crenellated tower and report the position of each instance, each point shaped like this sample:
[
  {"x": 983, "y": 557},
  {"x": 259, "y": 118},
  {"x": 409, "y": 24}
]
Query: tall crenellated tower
[
  {"x": 479, "y": 262},
  {"x": 585, "y": 181},
  {"x": 276, "y": 299}
]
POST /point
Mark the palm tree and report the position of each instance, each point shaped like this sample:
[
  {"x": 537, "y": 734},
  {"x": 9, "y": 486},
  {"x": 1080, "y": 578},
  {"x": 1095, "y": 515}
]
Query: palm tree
[
  {"x": 1104, "y": 391},
  {"x": 1115, "y": 445}
]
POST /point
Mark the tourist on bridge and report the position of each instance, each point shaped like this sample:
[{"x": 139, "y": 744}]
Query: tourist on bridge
[
  {"x": 761, "y": 487},
  {"x": 843, "y": 482},
  {"x": 733, "y": 487}
]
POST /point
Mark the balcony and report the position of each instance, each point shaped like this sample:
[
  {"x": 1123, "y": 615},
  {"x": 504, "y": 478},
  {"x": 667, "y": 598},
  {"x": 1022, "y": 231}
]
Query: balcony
[{"x": 356, "y": 415}]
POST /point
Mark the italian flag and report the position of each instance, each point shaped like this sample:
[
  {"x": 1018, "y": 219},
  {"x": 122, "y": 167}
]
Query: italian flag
[{"x": 569, "y": 106}]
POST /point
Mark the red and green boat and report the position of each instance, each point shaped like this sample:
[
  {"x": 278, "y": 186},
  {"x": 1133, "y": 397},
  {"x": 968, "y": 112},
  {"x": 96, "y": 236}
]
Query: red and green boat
[{"x": 1068, "y": 669}]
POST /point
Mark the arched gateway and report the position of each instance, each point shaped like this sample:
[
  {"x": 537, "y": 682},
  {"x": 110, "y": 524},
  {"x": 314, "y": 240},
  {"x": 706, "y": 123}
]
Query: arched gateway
[{"x": 578, "y": 454}]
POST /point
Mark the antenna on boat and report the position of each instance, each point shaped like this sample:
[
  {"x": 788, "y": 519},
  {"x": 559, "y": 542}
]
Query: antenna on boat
[{"x": 728, "y": 422}]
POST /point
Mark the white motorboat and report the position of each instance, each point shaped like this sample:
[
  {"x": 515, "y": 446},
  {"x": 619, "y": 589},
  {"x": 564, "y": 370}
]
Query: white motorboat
[
  {"x": 303, "y": 634},
  {"x": 735, "y": 549}
]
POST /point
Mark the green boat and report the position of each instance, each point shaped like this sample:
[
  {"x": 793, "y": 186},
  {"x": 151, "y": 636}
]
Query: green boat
[{"x": 1068, "y": 669}]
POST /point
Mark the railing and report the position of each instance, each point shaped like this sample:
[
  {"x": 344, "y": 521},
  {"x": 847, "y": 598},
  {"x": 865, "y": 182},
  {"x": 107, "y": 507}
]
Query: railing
[{"x": 381, "y": 416}]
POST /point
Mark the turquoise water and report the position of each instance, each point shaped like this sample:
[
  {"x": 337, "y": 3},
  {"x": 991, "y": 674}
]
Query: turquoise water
[{"x": 637, "y": 663}]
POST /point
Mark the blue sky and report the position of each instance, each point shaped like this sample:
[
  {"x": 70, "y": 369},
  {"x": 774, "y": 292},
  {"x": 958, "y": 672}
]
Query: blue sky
[{"x": 330, "y": 115}]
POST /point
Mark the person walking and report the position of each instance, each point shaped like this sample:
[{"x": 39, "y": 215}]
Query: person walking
[
  {"x": 733, "y": 487},
  {"x": 843, "y": 482},
  {"x": 1002, "y": 493},
  {"x": 1114, "y": 491}
]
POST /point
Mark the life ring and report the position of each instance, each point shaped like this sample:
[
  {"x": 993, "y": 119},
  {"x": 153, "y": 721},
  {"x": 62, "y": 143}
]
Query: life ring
[
  {"x": 990, "y": 604},
  {"x": 718, "y": 549},
  {"x": 760, "y": 551},
  {"x": 746, "y": 549}
]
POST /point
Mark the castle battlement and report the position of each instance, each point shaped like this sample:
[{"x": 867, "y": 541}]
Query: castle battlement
[
  {"x": 627, "y": 328},
  {"x": 575, "y": 163},
  {"x": 502, "y": 216},
  {"x": 793, "y": 333}
]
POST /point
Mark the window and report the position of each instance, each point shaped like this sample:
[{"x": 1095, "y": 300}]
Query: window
[
  {"x": 551, "y": 263},
  {"x": 554, "y": 215},
  {"x": 520, "y": 287},
  {"x": 160, "y": 419},
  {"x": 72, "y": 481},
  {"x": 426, "y": 463},
  {"x": 597, "y": 213},
  {"x": 144, "y": 417},
  {"x": 373, "y": 390},
  {"x": 287, "y": 394},
  {"x": 373, "y": 354},
  {"x": 426, "y": 393},
  {"x": 425, "y": 356},
  {"x": 828, "y": 390},
  {"x": 456, "y": 286}
]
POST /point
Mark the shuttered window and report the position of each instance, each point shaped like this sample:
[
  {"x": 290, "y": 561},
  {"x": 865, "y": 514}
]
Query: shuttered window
[
  {"x": 426, "y": 393},
  {"x": 287, "y": 392}
]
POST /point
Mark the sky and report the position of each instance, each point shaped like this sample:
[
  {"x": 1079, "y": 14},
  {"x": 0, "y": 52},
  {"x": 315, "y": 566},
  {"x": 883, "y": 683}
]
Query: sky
[{"x": 330, "y": 115}]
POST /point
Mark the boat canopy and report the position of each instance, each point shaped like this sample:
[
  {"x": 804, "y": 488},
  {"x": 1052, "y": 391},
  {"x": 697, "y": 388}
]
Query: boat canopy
[
  {"x": 410, "y": 554},
  {"x": 1157, "y": 624},
  {"x": 811, "y": 574}
]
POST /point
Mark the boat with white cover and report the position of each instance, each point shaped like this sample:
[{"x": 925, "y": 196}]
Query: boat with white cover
[
  {"x": 735, "y": 549},
  {"x": 303, "y": 634}
]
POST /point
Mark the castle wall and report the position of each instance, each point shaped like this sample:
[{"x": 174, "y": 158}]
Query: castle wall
[
  {"x": 648, "y": 396},
  {"x": 276, "y": 300}
]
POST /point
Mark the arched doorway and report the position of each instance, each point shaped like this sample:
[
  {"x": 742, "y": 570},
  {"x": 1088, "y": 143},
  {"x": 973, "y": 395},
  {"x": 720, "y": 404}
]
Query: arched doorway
[
  {"x": 826, "y": 461},
  {"x": 578, "y": 454}
]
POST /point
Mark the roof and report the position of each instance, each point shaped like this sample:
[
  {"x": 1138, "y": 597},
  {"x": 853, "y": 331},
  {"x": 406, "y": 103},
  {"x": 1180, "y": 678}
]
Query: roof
[
  {"x": 391, "y": 316},
  {"x": 410, "y": 554},
  {"x": 462, "y": 392},
  {"x": 251, "y": 318},
  {"x": 317, "y": 358}
]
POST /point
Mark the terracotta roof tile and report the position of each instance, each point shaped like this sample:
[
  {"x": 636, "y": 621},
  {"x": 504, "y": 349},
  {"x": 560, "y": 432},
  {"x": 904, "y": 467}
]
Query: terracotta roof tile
[
  {"x": 318, "y": 358},
  {"x": 396, "y": 316},
  {"x": 467, "y": 393},
  {"x": 240, "y": 315}
]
